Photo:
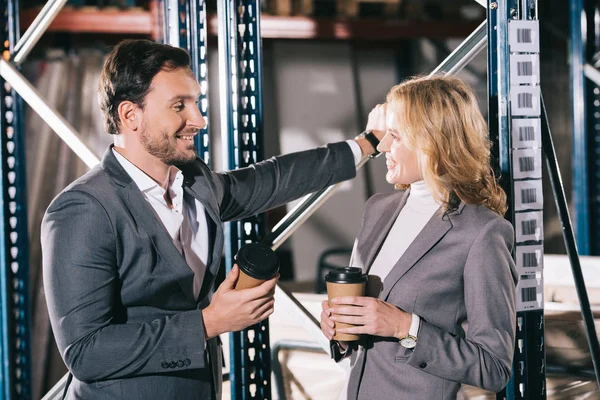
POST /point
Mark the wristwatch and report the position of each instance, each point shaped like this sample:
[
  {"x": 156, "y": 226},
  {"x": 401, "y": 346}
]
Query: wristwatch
[
  {"x": 410, "y": 340},
  {"x": 372, "y": 139}
]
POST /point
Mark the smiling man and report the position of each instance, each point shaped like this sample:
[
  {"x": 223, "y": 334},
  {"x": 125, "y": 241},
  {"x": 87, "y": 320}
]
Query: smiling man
[{"x": 132, "y": 248}]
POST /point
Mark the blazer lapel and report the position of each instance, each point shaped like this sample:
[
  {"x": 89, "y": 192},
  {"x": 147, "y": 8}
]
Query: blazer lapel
[
  {"x": 145, "y": 216},
  {"x": 379, "y": 230},
  {"x": 432, "y": 233},
  {"x": 198, "y": 187}
]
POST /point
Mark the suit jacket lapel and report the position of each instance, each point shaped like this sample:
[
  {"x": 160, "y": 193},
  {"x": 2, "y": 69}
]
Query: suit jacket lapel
[
  {"x": 198, "y": 187},
  {"x": 145, "y": 216},
  {"x": 432, "y": 233},
  {"x": 379, "y": 230}
]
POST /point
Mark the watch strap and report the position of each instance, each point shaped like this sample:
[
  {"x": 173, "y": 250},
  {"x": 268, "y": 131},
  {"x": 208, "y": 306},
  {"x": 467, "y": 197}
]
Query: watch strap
[
  {"x": 373, "y": 141},
  {"x": 414, "y": 326}
]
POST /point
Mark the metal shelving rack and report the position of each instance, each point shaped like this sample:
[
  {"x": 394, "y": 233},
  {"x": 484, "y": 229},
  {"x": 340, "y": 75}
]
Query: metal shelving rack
[
  {"x": 514, "y": 120},
  {"x": 15, "y": 369},
  {"x": 515, "y": 107},
  {"x": 240, "y": 57},
  {"x": 190, "y": 33}
]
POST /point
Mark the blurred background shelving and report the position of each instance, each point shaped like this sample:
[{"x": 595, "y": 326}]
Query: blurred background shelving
[{"x": 281, "y": 19}]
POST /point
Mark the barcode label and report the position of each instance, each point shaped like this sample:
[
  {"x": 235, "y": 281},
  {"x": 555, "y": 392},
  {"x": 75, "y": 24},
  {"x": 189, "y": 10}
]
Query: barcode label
[
  {"x": 530, "y": 291},
  {"x": 523, "y": 36},
  {"x": 525, "y": 101},
  {"x": 527, "y": 163},
  {"x": 526, "y": 133},
  {"x": 528, "y": 195},
  {"x": 529, "y": 227},
  {"x": 529, "y": 259},
  {"x": 528, "y": 294},
  {"x": 525, "y": 68}
]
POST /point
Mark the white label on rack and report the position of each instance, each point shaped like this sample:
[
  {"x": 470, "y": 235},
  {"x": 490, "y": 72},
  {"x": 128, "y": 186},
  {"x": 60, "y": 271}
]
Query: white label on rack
[
  {"x": 528, "y": 195},
  {"x": 529, "y": 226},
  {"x": 527, "y": 163},
  {"x": 530, "y": 259},
  {"x": 526, "y": 133},
  {"x": 524, "y": 36},
  {"x": 530, "y": 293},
  {"x": 524, "y": 69},
  {"x": 525, "y": 101}
]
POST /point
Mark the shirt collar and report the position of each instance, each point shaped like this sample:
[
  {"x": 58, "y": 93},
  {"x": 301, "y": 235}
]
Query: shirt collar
[{"x": 143, "y": 181}]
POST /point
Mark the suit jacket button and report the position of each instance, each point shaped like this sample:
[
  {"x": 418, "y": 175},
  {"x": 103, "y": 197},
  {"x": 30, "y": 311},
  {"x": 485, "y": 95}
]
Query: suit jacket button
[
  {"x": 187, "y": 362},
  {"x": 173, "y": 364},
  {"x": 423, "y": 365},
  {"x": 180, "y": 363},
  {"x": 165, "y": 364}
]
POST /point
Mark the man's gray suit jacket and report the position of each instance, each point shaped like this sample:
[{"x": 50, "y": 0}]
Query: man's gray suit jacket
[
  {"x": 119, "y": 293},
  {"x": 458, "y": 271}
]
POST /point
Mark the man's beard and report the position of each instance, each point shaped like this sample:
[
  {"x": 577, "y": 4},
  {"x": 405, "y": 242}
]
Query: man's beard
[{"x": 164, "y": 147}]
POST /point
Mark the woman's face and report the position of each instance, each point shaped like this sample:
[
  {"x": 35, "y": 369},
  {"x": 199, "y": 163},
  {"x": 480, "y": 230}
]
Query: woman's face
[{"x": 401, "y": 161}]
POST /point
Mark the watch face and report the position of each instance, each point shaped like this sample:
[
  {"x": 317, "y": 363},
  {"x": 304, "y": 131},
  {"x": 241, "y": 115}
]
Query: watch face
[{"x": 408, "y": 342}]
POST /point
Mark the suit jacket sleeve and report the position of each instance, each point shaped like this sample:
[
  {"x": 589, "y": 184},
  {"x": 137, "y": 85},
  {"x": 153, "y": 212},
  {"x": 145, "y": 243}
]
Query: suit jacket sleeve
[
  {"x": 278, "y": 180},
  {"x": 81, "y": 281},
  {"x": 484, "y": 357}
]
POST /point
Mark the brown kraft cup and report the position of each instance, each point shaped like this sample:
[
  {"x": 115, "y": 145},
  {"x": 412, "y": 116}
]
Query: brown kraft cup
[
  {"x": 257, "y": 263},
  {"x": 347, "y": 281}
]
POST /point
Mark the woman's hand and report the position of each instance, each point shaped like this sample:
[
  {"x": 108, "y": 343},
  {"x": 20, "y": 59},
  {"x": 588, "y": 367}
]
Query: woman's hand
[
  {"x": 328, "y": 326},
  {"x": 372, "y": 316}
]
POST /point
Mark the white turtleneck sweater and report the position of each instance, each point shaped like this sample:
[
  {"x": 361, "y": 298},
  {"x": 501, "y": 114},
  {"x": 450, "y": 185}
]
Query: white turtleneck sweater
[
  {"x": 418, "y": 210},
  {"x": 420, "y": 207}
]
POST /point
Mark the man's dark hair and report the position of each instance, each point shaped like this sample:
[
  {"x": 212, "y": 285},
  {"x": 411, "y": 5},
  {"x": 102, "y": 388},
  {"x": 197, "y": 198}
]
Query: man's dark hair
[{"x": 128, "y": 72}]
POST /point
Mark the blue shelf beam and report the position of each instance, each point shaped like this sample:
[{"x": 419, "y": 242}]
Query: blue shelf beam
[
  {"x": 240, "y": 58},
  {"x": 15, "y": 357}
]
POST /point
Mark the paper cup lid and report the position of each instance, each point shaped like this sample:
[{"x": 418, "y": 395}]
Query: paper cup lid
[
  {"x": 257, "y": 261},
  {"x": 346, "y": 275}
]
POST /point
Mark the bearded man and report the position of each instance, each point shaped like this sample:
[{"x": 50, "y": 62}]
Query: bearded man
[{"x": 131, "y": 249}]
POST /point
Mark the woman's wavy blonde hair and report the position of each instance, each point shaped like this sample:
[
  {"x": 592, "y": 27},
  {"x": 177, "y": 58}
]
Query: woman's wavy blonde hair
[{"x": 438, "y": 116}]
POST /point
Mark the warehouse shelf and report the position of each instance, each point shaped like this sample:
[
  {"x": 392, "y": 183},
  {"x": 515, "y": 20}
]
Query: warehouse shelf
[{"x": 143, "y": 22}]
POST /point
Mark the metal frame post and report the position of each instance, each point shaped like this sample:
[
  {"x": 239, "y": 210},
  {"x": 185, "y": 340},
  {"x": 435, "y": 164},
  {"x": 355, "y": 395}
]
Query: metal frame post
[
  {"x": 580, "y": 129},
  {"x": 515, "y": 127},
  {"x": 189, "y": 33},
  {"x": 15, "y": 381},
  {"x": 240, "y": 54}
]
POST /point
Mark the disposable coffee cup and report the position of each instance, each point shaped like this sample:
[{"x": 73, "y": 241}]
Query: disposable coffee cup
[
  {"x": 257, "y": 264},
  {"x": 347, "y": 281}
]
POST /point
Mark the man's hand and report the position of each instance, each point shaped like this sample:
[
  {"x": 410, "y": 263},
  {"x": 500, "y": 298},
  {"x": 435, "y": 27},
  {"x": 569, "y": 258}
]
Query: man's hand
[
  {"x": 372, "y": 316},
  {"x": 377, "y": 121},
  {"x": 375, "y": 124},
  {"x": 233, "y": 310}
]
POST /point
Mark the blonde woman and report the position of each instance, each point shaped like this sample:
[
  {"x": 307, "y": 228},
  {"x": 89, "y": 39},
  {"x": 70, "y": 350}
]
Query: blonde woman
[{"x": 438, "y": 254}]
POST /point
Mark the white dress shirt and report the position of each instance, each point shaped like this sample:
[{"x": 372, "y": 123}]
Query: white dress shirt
[{"x": 185, "y": 221}]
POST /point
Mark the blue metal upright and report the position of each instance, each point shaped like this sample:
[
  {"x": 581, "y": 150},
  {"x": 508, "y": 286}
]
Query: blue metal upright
[
  {"x": 15, "y": 368},
  {"x": 240, "y": 56},
  {"x": 515, "y": 128},
  {"x": 185, "y": 26},
  {"x": 581, "y": 139}
]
